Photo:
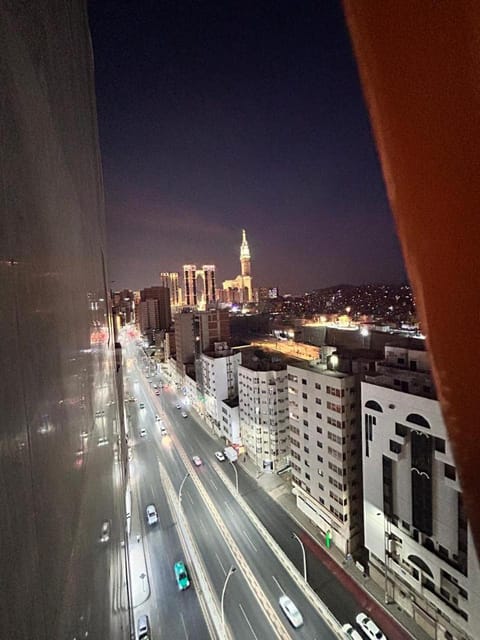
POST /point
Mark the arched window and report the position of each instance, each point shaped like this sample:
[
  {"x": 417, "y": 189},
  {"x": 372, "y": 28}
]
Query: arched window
[
  {"x": 371, "y": 404},
  {"x": 417, "y": 419},
  {"x": 421, "y": 564}
]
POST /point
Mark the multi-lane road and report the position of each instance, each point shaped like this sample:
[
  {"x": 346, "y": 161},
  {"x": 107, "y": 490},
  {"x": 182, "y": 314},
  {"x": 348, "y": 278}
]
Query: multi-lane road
[{"x": 249, "y": 532}]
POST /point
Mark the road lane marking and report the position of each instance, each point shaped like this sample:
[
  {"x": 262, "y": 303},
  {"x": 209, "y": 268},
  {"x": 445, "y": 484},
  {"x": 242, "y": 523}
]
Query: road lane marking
[
  {"x": 269, "y": 611},
  {"x": 220, "y": 563},
  {"x": 184, "y": 625},
  {"x": 216, "y": 488},
  {"x": 250, "y": 541},
  {"x": 203, "y": 526},
  {"x": 279, "y": 585},
  {"x": 248, "y": 621},
  {"x": 227, "y": 506}
]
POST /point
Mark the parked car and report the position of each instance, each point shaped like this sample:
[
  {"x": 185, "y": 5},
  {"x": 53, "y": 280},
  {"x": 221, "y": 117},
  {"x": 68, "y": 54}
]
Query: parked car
[
  {"x": 219, "y": 456},
  {"x": 157, "y": 418},
  {"x": 163, "y": 431},
  {"x": 143, "y": 433},
  {"x": 143, "y": 626},
  {"x": 105, "y": 535},
  {"x": 369, "y": 628},
  {"x": 197, "y": 461},
  {"x": 184, "y": 414},
  {"x": 181, "y": 576},
  {"x": 351, "y": 633},
  {"x": 290, "y": 610},
  {"x": 178, "y": 406}
]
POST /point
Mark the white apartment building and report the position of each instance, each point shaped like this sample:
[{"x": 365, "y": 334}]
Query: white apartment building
[
  {"x": 263, "y": 410},
  {"x": 325, "y": 450},
  {"x": 220, "y": 383},
  {"x": 420, "y": 545},
  {"x": 230, "y": 422}
]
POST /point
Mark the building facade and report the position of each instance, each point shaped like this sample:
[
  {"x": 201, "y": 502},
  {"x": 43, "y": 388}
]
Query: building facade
[
  {"x": 420, "y": 545},
  {"x": 326, "y": 450},
  {"x": 219, "y": 383},
  {"x": 63, "y": 459},
  {"x": 208, "y": 274},
  {"x": 190, "y": 285},
  {"x": 170, "y": 281},
  {"x": 263, "y": 411}
]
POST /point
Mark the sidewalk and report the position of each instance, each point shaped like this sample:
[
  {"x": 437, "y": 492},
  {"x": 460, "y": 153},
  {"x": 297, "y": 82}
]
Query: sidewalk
[{"x": 140, "y": 584}]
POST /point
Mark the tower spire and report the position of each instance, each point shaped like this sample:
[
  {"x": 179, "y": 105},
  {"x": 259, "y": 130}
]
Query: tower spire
[
  {"x": 245, "y": 255},
  {"x": 244, "y": 249}
]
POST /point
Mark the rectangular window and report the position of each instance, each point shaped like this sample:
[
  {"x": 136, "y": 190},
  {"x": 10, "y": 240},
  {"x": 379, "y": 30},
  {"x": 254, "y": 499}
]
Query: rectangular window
[
  {"x": 400, "y": 430},
  {"x": 395, "y": 447},
  {"x": 440, "y": 445},
  {"x": 450, "y": 472}
]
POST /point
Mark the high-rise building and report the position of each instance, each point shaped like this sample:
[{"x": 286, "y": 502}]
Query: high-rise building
[
  {"x": 209, "y": 283},
  {"x": 220, "y": 383},
  {"x": 184, "y": 340},
  {"x": 198, "y": 331},
  {"x": 326, "y": 450},
  {"x": 154, "y": 309},
  {"x": 419, "y": 542},
  {"x": 240, "y": 290},
  {"x": 63, "y": 459},
  {"x": 245, "y": 256},
  {"x": 263, "y": 409},
  {"x": 170, "y": 280},
  {"x": 190, "y": 285}
]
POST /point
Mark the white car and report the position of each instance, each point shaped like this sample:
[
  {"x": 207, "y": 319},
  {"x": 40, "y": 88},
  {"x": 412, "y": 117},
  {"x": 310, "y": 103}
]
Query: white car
[
  {"x": 157, "y": 418},
  {"x": 369, "y": 628},
  {"x": 197, "y": 461},
  {"x": 143, "y": 433},
  {"x": 351, "y": 633},
  {"x": 178, "y": 406},
  {"x": 219, "y": 456},
  {"x": 105, "y": 536},
  {"x": 290, "y": 610},
  {"x": 152, "y": 516},
  {"x": 184, "y": 414},
  {"x": 163, "y": 431}
]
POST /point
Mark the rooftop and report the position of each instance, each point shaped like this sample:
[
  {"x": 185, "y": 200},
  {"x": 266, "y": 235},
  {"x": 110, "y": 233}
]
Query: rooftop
[{"x": 316, "y": 365}]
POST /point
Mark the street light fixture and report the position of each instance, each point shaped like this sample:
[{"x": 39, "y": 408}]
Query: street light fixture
[
  {"x": 180, "y": 489},
  {"x": 295, "y": 537},
  {"x": 222, "y": 599}
]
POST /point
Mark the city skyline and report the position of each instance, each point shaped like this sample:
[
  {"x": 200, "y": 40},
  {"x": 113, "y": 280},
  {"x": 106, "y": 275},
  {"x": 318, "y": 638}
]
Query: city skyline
[{"x": 226, "y": 133}]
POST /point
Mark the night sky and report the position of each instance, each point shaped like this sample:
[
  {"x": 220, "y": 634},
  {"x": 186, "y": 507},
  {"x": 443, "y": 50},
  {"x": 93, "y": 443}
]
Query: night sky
[{"x": 215, "y": 116}]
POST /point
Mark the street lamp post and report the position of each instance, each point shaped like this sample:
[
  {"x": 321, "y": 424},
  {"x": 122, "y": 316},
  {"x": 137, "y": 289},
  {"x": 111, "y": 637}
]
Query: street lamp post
[
  {"x": 236, "y": 474},
  {"x": 180, "y": 489},
  {"x": 294, "y": 535},
  {"x": 222, "y": 599}
]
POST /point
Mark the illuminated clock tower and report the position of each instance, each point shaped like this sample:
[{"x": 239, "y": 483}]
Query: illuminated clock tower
[{"x": 245, "y": 255}]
